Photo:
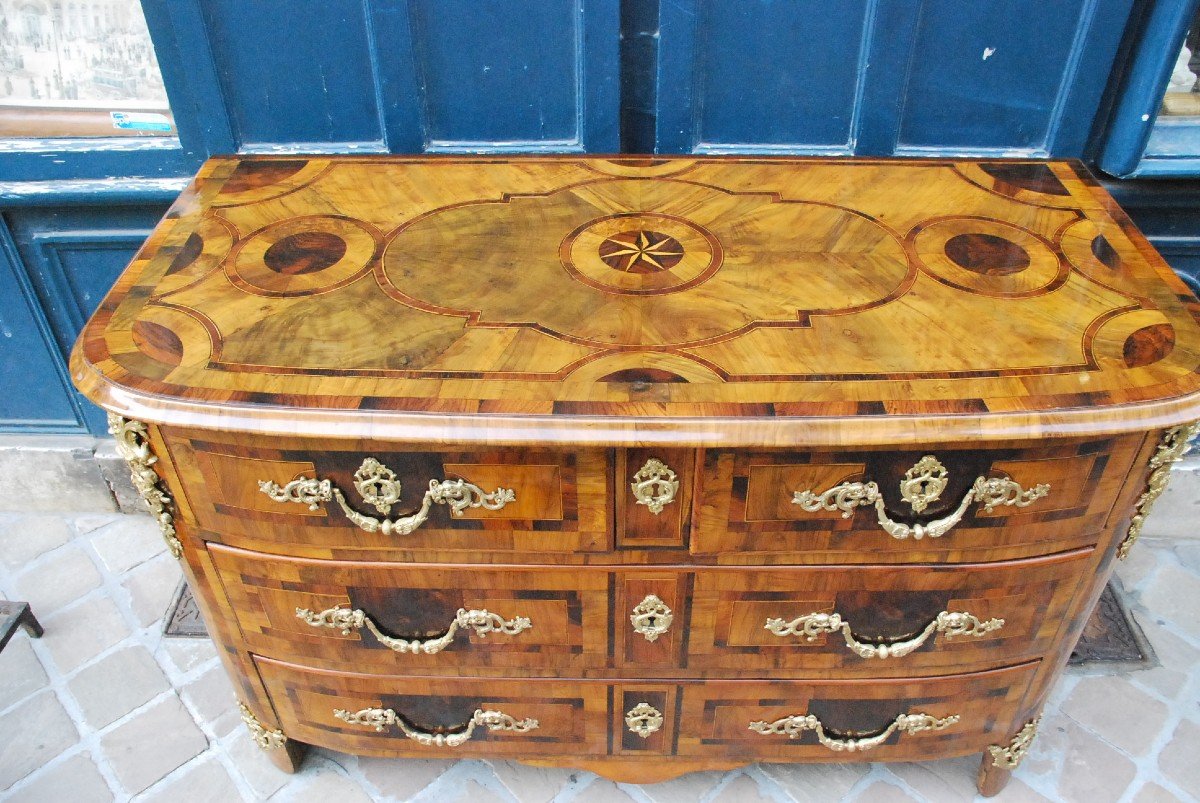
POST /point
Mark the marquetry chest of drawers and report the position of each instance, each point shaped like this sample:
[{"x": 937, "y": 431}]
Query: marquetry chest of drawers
[{"x": 646, "y": 465}]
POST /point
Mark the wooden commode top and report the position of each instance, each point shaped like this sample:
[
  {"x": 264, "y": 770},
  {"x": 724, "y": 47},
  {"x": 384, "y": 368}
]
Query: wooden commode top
[{"x": 695, "y": 301}]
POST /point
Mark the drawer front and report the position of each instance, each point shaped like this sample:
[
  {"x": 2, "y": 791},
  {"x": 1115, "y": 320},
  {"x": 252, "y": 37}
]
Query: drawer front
[
  {"x": 422, "y": 619},
  {"x": 863, "y": 622},
  {"x": 753, "y": 503},
  {"x": 745, "y": 718},
  {"x": 877, "y": 621},
  {"x": 585, "y": 719},
  {"x": 571, "y": 717},
  {"x": 560, "y": 501}
]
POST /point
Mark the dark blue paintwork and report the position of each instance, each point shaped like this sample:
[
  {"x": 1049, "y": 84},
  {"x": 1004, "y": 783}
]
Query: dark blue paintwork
[
  {"x": 292, "y": 76},
  {"x": 884, "y": 77},
  {"x": 67, "y": 259}
]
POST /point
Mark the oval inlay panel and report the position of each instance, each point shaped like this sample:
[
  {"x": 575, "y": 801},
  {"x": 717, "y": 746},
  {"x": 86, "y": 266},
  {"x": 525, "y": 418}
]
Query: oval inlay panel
[
  {"x": 157, "y": 342},
  {"x": 987, "y": 254},
  {"x": 1149, "y": 344},
  {"x": 1103, "y": 251},
  {"x": 305, "y": 252}
]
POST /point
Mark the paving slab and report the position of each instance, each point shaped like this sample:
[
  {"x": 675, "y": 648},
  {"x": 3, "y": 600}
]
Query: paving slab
[
  {"x": 155, "y": 742},
  {"x": 31, "y": 734},
  {"x": 82, "y": 632},
  {"x": 205, "y": 782},
  {"x": 76, "y": 780},
  {"x": 117, "y": 684},
  {"x": 21, "y": 671},
  {"x": 60, "y": 578}
]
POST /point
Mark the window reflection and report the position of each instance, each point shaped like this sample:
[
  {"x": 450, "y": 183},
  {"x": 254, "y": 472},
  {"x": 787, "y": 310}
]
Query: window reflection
[
  {"x": 79, "y": 68},
  {"x": 1183, "y": 90}
]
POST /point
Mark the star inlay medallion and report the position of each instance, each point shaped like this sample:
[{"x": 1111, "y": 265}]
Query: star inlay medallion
[{"x": 641, "y": 251}]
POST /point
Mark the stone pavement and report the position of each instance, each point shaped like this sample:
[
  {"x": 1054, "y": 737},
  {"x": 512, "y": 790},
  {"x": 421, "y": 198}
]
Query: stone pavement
[{"x": 103, "y": 707}]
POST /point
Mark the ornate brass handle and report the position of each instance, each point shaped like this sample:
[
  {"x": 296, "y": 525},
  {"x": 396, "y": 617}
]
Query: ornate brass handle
[
  {"x": 793, "y": 726},
  {"x": 380, "y": 718},
  {"x": 481, "y": 621},
  {"x": 654, "y": 485},
  {"x": 378, "y": 486},
  {"x": 812, "y": 625},
  {"x": 922, "y": 484}
]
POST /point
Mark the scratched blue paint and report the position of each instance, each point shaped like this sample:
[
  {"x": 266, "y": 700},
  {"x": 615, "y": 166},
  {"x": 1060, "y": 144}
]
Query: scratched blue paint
[
  {"x": 490, "y": 72},
  {"x": 884, "y": 77},
  {"x": 957, "y": 97},
  {"x": 794, "y": 84},
  {"x": 299, "y": 72}
]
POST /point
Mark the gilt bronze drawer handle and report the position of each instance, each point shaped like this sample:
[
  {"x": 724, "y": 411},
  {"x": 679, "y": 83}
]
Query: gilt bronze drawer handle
[
  {"x": 651, "y": 617},
  {"x": 378, "y": 486},
  {"x": 481, "y": 621},
  {"x": 812, "y": 625},
  {"x": 922, "y": 484},
  {"x": 380, "y": 718},
  {"x": 654, "y": 485},
  {"x": 794, "y": 726}
]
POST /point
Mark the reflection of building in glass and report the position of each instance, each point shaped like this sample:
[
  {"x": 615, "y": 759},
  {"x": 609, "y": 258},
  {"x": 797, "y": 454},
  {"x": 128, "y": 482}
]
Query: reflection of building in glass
[
  {"x": 78, "y": 50},
  {"x": 1183, "y": 89}
]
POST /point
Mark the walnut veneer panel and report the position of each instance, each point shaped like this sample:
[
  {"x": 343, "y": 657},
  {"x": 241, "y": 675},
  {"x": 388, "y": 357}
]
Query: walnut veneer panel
[
  {"x": 729, "y": 609},
  {"x": 745, "y": 502},
  {"x": 563, "y": 500},
  {"x": 580, "y": 626},
  {"x": 703, "y": 720},
  {"x": 568, "y": 614},
  {"x": 719, "y": 301}
]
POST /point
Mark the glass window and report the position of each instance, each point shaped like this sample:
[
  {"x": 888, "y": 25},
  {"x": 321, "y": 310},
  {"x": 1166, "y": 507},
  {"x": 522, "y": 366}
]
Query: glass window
[
  {"x": 84, "y": 68},
  {"x": 1183, "y": 90}
]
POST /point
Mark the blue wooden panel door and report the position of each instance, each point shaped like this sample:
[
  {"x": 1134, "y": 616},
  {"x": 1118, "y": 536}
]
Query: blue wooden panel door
[
  {"x": 406, "y": 76},
  {"x": 883, "y": 77}
]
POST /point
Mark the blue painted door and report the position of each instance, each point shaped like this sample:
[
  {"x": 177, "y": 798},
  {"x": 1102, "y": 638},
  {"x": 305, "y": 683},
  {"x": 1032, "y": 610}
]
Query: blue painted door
[{"x": 883, "y": 77}]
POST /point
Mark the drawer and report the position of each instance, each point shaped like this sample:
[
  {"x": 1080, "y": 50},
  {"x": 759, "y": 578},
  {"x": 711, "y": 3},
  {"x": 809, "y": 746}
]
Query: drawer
[
  {"x": 862, "y": 622},
  {"x": 521, "y": 718},
  {"x": 419, "y": 618},
  {"x": 878, "y": 621},
  {"x": 569, "y": 717},
  {"x": 308, "y": 498},
  {"x": 750, "y": 718},
  {"x": 753, "y": 504}
]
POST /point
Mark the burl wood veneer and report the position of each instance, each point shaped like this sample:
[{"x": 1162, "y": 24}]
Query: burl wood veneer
[{"x": 647, "y": 465}]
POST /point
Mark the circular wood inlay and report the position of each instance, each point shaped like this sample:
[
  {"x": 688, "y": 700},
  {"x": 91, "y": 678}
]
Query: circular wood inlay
[
  {"x": 305, "y": 252},
  {"x": 1149, "y": 344},
  {"x": 641, "y": 251},
  {"x": 987, "y": 254}
]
